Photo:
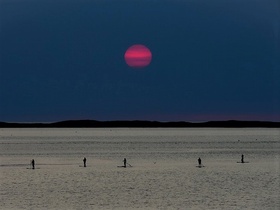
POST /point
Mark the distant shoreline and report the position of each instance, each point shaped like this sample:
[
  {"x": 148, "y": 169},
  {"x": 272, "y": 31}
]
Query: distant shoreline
[{"x": 143, "y": 124}]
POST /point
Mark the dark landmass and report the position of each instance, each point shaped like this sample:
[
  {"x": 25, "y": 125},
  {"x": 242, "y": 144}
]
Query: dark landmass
[{"x": 143, "y": 124}]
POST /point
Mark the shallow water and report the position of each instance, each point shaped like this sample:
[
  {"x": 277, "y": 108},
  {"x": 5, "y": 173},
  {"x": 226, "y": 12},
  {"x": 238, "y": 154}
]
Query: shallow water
[{"x": 164, "y": 173}]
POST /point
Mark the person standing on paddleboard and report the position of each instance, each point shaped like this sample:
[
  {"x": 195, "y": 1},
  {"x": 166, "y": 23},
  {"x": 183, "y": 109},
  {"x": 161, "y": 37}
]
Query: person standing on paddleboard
[
  {"x": 199, "y": 161},
  {"x": 33, "y": 163},
  {"x": 242, "y": 158},
  {"x": 124, "y": 162},
  {"x": 85, "y": 162}
]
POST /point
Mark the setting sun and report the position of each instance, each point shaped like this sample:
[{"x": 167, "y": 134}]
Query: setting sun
[{"x": 138, "y": 56}]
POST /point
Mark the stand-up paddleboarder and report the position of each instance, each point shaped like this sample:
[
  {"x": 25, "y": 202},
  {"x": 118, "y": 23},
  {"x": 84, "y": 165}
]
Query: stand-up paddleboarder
[
  {"x": 85, "y": 162},
  {"x": 199, "y": 161},
  {"x": 242, "y": 158},
  {"x": 124, "y": 162},
  {"x": 33, "y": 163}
]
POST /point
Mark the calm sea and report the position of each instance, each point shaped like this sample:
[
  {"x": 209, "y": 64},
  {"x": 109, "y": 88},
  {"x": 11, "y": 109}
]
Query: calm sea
[{"x": 163, "y": 173}]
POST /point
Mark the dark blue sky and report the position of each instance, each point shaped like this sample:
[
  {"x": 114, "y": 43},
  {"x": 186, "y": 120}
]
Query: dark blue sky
[{"x": 212, "y": 60}]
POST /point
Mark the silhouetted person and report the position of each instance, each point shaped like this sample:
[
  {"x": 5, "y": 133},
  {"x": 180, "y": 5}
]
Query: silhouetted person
[
  {"x": 242, "y": 158},
  {"x": 124, "y": 162},
  {"x": 33, "y": 163},
  {"x": 85, "y": 162},
  {"x": 199, "y": 161}
]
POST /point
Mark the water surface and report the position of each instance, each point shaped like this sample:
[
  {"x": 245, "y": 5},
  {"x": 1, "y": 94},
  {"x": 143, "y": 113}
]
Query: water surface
[{"x": 164, "y": 173}]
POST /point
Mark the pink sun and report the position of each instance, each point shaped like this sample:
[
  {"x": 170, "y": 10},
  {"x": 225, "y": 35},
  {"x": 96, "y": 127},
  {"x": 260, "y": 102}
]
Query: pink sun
[{"x": 138, "y": 56}]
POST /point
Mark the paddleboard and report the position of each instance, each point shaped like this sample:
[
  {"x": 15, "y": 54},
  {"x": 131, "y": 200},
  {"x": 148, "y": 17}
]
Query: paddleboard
[
  {"x": 200, "y": 166},
  {"x": 243, "y": 162}
]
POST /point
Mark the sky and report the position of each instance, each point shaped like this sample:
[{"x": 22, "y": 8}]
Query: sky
[{"x": 211, "y": 60}]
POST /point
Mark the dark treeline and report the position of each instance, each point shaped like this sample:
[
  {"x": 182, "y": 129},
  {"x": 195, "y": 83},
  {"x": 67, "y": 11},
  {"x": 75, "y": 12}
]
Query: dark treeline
[{"x": 143, "y": 124}]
